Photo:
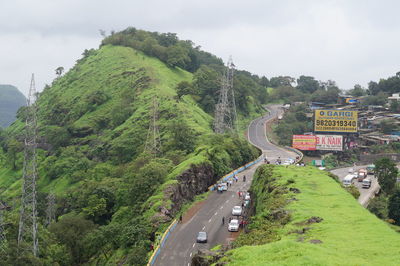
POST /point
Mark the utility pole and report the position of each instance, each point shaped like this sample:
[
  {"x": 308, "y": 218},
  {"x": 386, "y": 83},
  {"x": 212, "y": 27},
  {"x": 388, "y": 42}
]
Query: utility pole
[
  {"x": 3, "y": 239},
  {"x": 28, "y": 228},
  {"x": 225, "y": 109},
  {"x": 51, "y": 209},
  {"x": 153, "y": 141}
]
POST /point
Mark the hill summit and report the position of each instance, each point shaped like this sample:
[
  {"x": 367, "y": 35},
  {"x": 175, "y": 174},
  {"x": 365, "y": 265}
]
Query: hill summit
[{"x": 11, "y": 99}]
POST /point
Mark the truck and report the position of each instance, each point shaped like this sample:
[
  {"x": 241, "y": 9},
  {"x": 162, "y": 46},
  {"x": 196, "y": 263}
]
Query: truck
[
  {"x": 348, "y": 180},
  {"x": 362, "y": 173},
  {"x": 371, "y": 169},
  {"x": 366, "y": 183}
]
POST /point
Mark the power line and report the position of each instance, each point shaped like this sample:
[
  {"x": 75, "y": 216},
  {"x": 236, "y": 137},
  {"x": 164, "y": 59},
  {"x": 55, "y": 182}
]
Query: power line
[
  {"x": 225, "y": 109},
  {"x": 153, "y": 141},
  {"x": 28, "y": 231}
]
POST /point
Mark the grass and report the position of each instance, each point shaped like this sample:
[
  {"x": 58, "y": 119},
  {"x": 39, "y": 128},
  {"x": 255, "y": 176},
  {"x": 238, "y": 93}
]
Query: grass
[{"x": 350, "y": 235}]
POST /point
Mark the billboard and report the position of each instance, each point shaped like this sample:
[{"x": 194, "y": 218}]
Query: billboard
[
  {"x": 329, "y": 142},
  {"x": 335, "y": 121},
  {"x": 304, "y": 142}
]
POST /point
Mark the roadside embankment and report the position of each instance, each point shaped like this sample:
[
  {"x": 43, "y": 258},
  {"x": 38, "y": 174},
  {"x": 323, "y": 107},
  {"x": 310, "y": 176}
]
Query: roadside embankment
[{"x": 312, "y": 221}]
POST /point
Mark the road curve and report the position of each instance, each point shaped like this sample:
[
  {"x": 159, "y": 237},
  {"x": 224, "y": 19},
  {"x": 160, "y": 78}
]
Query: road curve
[{"x": 181, "y": 244}]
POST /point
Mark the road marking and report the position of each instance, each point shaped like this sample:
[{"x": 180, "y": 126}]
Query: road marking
[
  {"x": 193, "y": 245},
  {"x": 215, "y": 213},
  {"x": 189, "y": 264},
  {"x": 209, "y": 220},
  {"x": 233, "y": 196},
  {"x": 190, "y": 254},
  {"x": 226, "y": 201},
  {"x": 204, "y": 227},
  {"x": 222, "y": 206}
]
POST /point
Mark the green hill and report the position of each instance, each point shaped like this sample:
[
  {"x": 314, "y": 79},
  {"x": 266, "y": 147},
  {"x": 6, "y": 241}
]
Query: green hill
[
  {"x": 93, "y": 125},
  {"x": 11, "y": 99},
  {"x": 287, "y": 227}
]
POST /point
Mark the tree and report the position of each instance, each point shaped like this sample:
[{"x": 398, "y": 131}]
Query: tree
[
  {"x": 59, "y": 71},
  {"x": 183, "y": 88},
  {"x": 394, "y": 206},
  {"x": 357, "y": 91},
  {"x": 386, "y": 172},
  {"x": 13, "y": 148},
  {"x": 307, "y": 84},
  {"x": 378, "y": 206},
  {"x": 71, "y": 231},
  {"x": 177, "y": 56},
  {"x": 281, "y": 81},
  {"x": 388, "y": 126}
]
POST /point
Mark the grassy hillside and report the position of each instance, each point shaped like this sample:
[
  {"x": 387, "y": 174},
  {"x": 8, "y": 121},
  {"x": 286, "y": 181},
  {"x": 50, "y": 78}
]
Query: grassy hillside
[
  {"x": 347, "y": 235},
  {"x": 11, "y": 99},
  {"x": 93, "y": 125}
]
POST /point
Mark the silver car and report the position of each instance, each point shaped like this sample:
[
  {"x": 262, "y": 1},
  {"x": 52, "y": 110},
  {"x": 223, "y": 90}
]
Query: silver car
[
  {"x": 237, "y": 211},
  {"x": 201, "y": 237}
]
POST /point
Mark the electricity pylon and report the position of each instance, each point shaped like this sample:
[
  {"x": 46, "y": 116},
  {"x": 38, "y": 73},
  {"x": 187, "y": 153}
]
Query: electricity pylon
[
  {"x": 51, "y": 209},
  {"x": 3, "y": 239},
  {"x": 153, "y": 141},
  {"x": 28, "y": 228},
  {"x": 225, "y": 109}
]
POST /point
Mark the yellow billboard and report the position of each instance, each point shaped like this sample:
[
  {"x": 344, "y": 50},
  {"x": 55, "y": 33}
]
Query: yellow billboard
[{"x": 335, "y": 121}]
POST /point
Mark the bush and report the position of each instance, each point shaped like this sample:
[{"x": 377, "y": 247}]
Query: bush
[{"x": 353, "y": 191}]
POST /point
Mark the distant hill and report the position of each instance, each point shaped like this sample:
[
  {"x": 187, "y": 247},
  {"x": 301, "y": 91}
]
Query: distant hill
[{"x": 11, "y": 99}]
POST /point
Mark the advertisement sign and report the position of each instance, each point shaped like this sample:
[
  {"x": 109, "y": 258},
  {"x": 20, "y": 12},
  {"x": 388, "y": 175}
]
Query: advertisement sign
[
  {"x": 304, "y": 142},
  {"x": 335, "y": 121},
  {"x": 329, "y": 142}
]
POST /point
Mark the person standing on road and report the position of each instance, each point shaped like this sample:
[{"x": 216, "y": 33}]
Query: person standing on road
[
  {"x": 180, "y": 218},
  {"x": 244, "y": 178},
  {"x": 223, "y": 220}
]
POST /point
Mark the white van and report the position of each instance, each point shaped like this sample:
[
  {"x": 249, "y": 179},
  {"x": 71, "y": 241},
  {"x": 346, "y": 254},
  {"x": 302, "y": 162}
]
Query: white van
[
  {"x": 348, "y": 180},
  {"x": 366, "y": 183}
]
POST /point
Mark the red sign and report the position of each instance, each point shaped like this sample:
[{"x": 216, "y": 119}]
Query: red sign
[{"x": 304, "y": 142}]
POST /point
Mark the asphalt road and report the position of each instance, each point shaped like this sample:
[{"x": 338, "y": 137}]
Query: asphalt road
[
  {"x": 181, "y": 244},
  {"x": 365, "y": 194}
]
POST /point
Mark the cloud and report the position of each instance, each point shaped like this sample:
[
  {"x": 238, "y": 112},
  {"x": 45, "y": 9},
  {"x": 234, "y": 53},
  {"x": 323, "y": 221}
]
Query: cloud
[{"x": 347, "y": 41}]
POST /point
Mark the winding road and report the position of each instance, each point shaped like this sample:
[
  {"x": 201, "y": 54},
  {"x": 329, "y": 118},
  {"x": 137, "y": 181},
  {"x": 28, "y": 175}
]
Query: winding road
[{"x": 181, "y": 244}]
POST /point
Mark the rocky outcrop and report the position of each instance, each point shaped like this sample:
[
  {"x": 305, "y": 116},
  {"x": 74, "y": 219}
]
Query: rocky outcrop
[{"x": 191, "y": 182}]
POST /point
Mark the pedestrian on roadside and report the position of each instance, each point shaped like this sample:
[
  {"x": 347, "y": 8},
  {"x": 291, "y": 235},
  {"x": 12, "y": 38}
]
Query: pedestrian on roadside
[
  {"x": 223, "y": 220},
  {"x": 239, "y": 194},
  {"x": 180, "y": 218}
]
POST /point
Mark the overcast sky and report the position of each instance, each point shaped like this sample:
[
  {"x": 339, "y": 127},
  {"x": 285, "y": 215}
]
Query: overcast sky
[{"x": 349, "y": 41}]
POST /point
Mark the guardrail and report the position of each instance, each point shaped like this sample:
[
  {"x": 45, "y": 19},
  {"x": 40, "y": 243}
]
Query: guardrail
[
  {"x": 164, "y": 238},
  {"x": 237, "y": 171},
  {"x": 297, "y": 152}
]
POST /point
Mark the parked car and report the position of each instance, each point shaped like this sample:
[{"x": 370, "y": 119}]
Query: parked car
[
  {"x": 247, "y": 197},
  {"x": 348, "y": 180},
  {"x": 366, "y": 183},
  {"x": 201, "y": 237},
  {"x": 237, "y": 211},
  {"x": 224, "y": 186},
  {"x": 233, "y": 225}
]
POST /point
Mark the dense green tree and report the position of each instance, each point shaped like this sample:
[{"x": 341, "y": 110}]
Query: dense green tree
[
  {"x": 387, "y": 126},
  {"x": 378, "y": 206},
  {"x": 184, "y": 88},
  {"x": 386, "y": 172},
  {"x": 394, "y": 206},
  {"x": 357, "y": 91},
  {"x": 182, "y": 137},
  {"x": 378, "y": 99},
  {"x": 281, "y": 81},
  {"x": 71, "y": 231},
  {"x": 13, "y": 148},
  {"x": 177, "y": 56},
  {"x": 307, "y": 84}
]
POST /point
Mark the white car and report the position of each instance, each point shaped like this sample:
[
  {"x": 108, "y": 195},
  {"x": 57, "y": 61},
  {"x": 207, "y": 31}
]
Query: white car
[
  {"x": 224, "y": 186},
  {"x": 351, "y": 170},
  {"x": 233, "y": 226},
  {"x": 237, "y": 211},
  {"x": 247, "y": 197},
  {"x": 289, "y": 161}
]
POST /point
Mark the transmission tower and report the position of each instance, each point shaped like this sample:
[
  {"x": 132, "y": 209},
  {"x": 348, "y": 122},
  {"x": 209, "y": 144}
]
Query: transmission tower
[
  {"x": 153, "y": 141},
  {"x": 28, "y": 231},
  {"x": 3, "y": 239},
  {"x": 51, "y": 209},
  {"x": 225, "y": 109}
]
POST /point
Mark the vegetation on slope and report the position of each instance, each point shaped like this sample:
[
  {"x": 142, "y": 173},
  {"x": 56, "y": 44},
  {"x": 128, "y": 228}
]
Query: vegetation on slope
[
  {"x": 11, "y": 99},
  {"x": 315, "y": 222},
  {"x": 93, "y": 124}
]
